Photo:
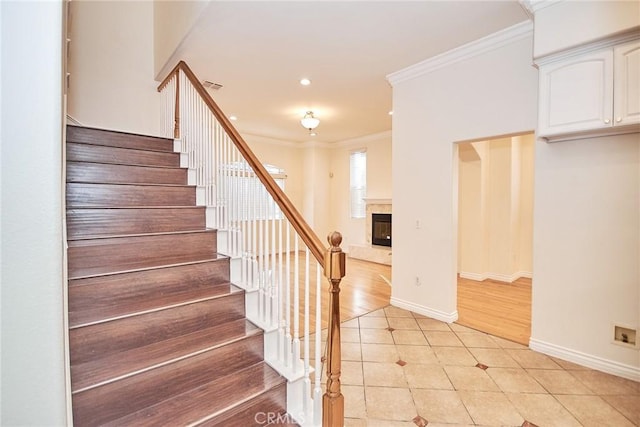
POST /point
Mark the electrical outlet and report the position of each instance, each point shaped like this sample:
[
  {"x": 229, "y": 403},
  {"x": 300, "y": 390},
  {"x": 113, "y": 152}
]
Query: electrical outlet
[
  {"x": 417, "y": 224},
  {"x": 418, "y": 282},
  {"x": 624, "y": 335}
]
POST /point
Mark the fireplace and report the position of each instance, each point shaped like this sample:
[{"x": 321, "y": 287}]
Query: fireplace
[{"x": 381, "y": 229}]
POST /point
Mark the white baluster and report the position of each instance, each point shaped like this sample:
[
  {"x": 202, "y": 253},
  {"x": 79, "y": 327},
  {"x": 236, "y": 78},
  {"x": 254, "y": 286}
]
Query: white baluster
[
  {"x": 317, "y": 391},
  {"x": 287, "y": 322},
  {"x": 307, "y": 382},
  {"x": 296, "y": 305}
]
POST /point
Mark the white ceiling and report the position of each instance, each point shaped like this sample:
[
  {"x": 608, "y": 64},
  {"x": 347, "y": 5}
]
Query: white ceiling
[{"x": 260, "y": 50}]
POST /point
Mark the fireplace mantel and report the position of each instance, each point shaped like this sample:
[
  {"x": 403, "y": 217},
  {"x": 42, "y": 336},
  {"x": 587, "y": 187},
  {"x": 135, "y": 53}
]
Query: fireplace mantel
[{"x": 372, "y": 201}]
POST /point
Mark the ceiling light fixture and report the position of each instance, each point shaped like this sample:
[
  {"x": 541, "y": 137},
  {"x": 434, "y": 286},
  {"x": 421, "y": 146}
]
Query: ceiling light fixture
[
  {"x": 305, "y": 82},
  {"x": 233, "y": 118},
  {"x": 309, "y": 122}
]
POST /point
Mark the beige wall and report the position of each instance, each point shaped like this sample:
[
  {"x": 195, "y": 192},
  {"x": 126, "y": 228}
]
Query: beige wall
[
  {"x": 379, "y": 184},
  {"x": 172, "y": 21},
  {"x": 494, "y": 93},
  {"x": 495, "y": 194},
  {"x": 33, "y": 361},
  {"x": 111, "y": 66}
]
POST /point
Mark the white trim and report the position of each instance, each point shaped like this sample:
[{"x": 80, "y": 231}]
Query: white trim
[
  {"x": 464, "y": 52},
  {"x": 362, "y": 139},
  {"x": 372, "y": 201},
  {"x": 533, "y": 6},
  {"x": 73, "y": 121},
  {"x": 496, "y": 276},
  {"x": 588, "y": 360},
  {"x": 425, "y": 311},
  {"x": 479, "y": 277}
]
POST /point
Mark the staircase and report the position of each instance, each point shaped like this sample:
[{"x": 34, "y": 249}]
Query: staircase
[{"x": 157, "y": 333}]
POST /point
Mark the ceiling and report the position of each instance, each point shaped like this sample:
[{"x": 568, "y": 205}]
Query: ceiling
[{"x": 258, "y": 51}]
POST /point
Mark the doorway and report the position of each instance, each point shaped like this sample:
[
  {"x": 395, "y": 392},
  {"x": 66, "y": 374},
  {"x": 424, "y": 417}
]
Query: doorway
[{"x": 495, "y": 231}]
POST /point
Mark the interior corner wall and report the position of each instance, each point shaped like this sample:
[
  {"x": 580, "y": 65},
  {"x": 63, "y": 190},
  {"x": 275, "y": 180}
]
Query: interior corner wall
[
  {"x": 172, "y": 21},
  {"x": 315, "y": 189},
  {"x": 111, "y": 66},
  {"x": 494, "y": 93},
  {"x": 587, "y": 247},
  {"x": 378, "y": 148},
  {"x": 31, "y": 265}
]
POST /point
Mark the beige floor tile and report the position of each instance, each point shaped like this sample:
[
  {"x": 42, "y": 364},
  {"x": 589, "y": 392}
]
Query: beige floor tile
[
  {"x": 440, "y": 406},
  {"x": 494, "y": 357},
  {"x": 355, "y": 422},
  {"x": 392, "y": 311},
  {"x": 403, "y": 323},
  {"x": 409, "y": 337},
  {"x": 426, "y": 376},
  {"x": 593, "y": 411},
  {"x": 427, "y": 324},
  {"x": 601, "y": 383},
  {"x": 376, "y": 336},
  {"x": 351, "y": 351},
  {"x": 570, "y": 366},
  {"x": 455, "y": 327},
  {"x": 349, "y": 335},
  {"x": 354, "y": 402},
  {"x": 629, "y": 406},
  {"x": 508, "y": 344},
  {"x": 379, "y": 353},
  {"x": 388, "y": 423},
  {"x": 384, "y": 375},
  {"x": 385, "y": 403},
  {"x": 515, "y": 380},
  {"x": 470, "y": 378},
  {"x": 490, "y": 408},
  {"x": 351, "y": 373},
  {"x": 353, "y": 323},
  {"x": 449, "y": 425},
  {"x": 557, "y": 381},
  {"x": 417, "y": 354},
  {"x": 443, "y": 339},
  {"x": 374, "y": 322},
  {"x": 419, "y": 316},
  {"x": 542, "y": 410},
  {"x": 477, "y": 339},
  {"x": 375, "y": 313},
  {"x": 532, "y": 359},
  {"x": 457, "y": 356}
]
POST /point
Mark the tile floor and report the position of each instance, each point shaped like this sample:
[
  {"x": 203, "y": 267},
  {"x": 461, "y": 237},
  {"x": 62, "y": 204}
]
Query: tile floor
[{"x": 404, "y": 369}]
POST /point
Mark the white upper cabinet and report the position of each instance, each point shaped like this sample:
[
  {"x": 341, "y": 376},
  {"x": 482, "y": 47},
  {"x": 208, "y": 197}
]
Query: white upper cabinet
[
  {"x": 592, "y": 93},
  {"x": 626, "y": 77}
]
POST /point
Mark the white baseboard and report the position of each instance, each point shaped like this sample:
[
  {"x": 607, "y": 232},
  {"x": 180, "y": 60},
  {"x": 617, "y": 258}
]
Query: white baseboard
[
  {"x": 496, "y": 276},
  {"x": 426, "y": 311},
  {"x": 588, "y": 360}
]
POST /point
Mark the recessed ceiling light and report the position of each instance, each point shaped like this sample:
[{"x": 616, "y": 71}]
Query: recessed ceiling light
[
  {"x": 305, "y": 82},
  {"x": 233, "y": 118},
  {"x": 391, "y": 113}
]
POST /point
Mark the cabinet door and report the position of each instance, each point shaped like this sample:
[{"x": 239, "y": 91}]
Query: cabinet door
[
  {"x": 626, "y": 96},
  {"x": 576, "y": 94}
]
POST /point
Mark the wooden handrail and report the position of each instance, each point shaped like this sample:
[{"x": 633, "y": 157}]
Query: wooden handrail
[{"x": 288, "y": 209}]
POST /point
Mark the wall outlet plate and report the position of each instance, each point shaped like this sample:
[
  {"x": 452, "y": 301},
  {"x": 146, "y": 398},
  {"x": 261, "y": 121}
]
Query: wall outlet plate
[{"x": 625, "y": 335}]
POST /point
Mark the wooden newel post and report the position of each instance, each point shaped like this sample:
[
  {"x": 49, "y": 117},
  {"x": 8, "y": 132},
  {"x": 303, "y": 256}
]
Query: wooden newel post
[{"x": 334, "y": 270}]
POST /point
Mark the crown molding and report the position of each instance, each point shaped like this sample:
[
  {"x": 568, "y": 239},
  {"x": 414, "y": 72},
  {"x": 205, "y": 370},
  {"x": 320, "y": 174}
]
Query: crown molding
[
  {"x": 362, "y": 139},
  {"x": 534, "y": 6},
  {"x": 477, "y": 47}
]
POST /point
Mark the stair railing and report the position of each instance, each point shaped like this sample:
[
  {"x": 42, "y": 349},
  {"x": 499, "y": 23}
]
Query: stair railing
[{"x": 270, "y": 245}]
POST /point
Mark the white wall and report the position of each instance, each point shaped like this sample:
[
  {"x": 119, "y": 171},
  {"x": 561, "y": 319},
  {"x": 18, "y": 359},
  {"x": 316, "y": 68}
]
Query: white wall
[
  {"x": 112, "y": 66},
  {"x": 566, "y": 24},
  {"x": 587, "y": 245},
  {"x": 172, "y": 21},
  {"x": 492, "y": 93},
  {"x": 378, "y": 147},
  {"x": 33, "y": 362}
]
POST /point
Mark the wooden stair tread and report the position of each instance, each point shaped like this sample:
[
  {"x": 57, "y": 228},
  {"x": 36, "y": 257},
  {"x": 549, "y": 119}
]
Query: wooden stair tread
[
  {"x": 207, "y": 400},
  {"x": 105, "y": 313},
  {"x": 175, "y": 263},
  {"x": 115, "y": 138},
  {"x": 94, "y": 298},
  {"x": 119, "y": 365},
  {"x": 119, "y": 155}
]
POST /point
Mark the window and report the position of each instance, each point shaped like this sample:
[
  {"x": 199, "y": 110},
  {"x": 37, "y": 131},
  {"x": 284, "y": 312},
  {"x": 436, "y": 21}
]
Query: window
[{"x": 358, "y": 183}]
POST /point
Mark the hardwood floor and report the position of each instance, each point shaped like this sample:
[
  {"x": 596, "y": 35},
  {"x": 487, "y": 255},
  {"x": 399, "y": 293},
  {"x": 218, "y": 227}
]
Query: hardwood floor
[{"x": 499, "y": 308}]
